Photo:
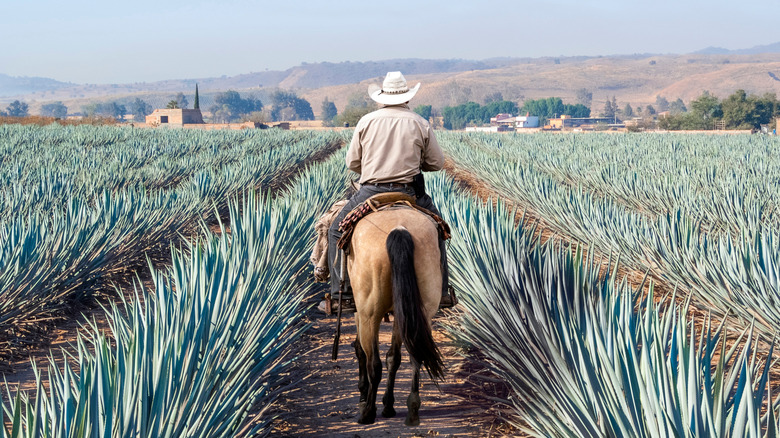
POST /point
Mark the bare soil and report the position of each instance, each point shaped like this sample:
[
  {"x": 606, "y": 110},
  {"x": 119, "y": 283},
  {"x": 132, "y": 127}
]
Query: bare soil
[{"x": 324, "y": 401}]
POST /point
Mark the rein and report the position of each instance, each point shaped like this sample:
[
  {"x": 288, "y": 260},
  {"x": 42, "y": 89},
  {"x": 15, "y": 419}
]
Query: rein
[{"x": 342, "y": 270}]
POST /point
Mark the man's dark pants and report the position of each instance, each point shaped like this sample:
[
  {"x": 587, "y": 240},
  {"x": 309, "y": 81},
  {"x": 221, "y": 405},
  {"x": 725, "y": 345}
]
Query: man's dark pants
[{"x": 366, "y": 191}]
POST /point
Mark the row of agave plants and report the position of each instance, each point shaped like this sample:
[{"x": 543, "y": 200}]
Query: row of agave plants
[
  {"x": 44, "y": 167},
  {"x": 735, "y": 272},
  {"x": 724, "y": 182},
  {"x": 201, "y": 355},
  {"x": 585, "y": 355},
  {"x": 67, "y": 240}
]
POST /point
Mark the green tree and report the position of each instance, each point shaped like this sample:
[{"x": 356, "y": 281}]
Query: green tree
[
  {"x": 628, "y": 111},
  {"x": 329, "y": 112},
  {"x": 229, "y": 106},
  {"x": 55, "y": 109},
  {"x": 352, "y": 114},
  {"x": 706, "y": 106},
  {"x": 661, "y": 104},
  {"x": 172, "y": 104},
  {"x": 196, "y": 104},
  {"x": 682, "y": 121},
  {"x": 358, "y": 105},
  {"x": 424, "y": 111},
  {"x": 649, "y": 110},
  {"x": 17, "y": 109},
  {"x": 498, "y": 107},
  {"x": 140, "y": 109},
  {"x": 577, "y": 110},
  {"x": 741, "y": 111},
  {"x": 286, "y": 105},
  {"x": 677, "y": 107},
  {"x": 704, "y": 110},
  {"x": 610, "y": 108},
  {"x": 545, "y": 109},
  {"x": 106, "y": 109},
  {"x": 458, "y": 117}
]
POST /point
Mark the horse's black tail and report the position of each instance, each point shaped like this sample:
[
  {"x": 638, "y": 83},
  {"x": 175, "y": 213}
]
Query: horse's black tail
[{"x": 408, "y": 308}]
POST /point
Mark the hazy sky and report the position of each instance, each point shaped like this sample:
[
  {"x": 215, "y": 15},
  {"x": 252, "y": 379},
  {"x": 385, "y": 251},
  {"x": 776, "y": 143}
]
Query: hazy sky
[{"x": 142, "y": 40}]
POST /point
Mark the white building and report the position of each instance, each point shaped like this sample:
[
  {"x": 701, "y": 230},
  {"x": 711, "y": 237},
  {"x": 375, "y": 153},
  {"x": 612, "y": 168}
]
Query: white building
[{"x": 526, "y": 122}]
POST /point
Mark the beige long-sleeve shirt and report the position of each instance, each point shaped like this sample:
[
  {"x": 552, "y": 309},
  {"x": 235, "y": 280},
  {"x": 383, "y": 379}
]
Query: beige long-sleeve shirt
[{"x": 392, "y": 144}]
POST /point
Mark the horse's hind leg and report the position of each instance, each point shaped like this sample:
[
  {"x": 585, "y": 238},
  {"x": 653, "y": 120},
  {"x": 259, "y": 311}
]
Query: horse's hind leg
[
  {"x": 368, "y": 337},
  {"x": 393, "y": 362},
  {"x": 362, "y": 374},
  {"x": 413, "y": 402}
]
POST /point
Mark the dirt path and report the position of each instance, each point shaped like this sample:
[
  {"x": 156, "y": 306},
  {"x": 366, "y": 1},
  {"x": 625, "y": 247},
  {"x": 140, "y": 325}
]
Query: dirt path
[{"x": 324, "y": 403}]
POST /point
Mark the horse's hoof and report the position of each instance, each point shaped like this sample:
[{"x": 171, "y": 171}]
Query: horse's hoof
[
  {"x": 412, "y": 421},
  {"x": 367, "y": 416},
  {"x": 388, "y": 412},
  {"x": 367, "y": 419}
]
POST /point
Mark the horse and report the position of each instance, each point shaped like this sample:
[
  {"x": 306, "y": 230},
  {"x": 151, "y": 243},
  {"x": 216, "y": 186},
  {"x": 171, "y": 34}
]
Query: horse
[{"x": 394, "y": 265}]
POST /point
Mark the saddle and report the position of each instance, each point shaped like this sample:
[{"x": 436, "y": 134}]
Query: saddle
[{"x": 385, "y": 201}]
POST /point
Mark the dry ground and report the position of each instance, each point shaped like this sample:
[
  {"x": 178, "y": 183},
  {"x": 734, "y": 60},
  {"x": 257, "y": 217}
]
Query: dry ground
[{"x": 324, "y": 402}]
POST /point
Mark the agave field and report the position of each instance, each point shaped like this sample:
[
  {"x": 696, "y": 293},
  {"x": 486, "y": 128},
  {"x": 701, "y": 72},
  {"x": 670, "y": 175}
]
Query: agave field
[
  {"x": 80, "y": 204},
  {"x": 198, "y": 351}
]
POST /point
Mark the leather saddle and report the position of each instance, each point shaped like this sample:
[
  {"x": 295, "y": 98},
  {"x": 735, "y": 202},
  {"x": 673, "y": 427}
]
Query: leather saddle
[{"x": 385, "y": 201}]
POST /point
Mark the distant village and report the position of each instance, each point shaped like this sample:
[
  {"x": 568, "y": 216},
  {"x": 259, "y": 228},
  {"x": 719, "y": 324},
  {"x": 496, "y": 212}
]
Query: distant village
[
  {"x": 509, "y": 123},
  {"x": 738, "y": 112}
]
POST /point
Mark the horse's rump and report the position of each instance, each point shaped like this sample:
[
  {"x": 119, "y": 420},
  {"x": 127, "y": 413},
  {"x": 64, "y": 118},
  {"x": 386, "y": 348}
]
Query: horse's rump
[{"x": 369, "y": 264}]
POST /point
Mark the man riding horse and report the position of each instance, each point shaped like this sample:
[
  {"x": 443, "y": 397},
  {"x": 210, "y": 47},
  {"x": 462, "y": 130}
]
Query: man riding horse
[{"x": 389, "y": 149}]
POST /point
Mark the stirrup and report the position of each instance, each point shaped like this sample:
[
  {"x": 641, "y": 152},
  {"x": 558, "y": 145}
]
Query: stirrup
[
  {"x": 330, "y": 305},
  {"x": 449, "y": 300}
]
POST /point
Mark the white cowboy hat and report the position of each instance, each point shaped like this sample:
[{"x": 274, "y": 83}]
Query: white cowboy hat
[{"x": 394, "y": 90}]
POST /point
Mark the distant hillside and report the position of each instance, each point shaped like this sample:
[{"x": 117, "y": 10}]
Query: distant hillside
[
  {"x": 11, "y": 86},
  {"x": 636, "y": 80},
  {"x": 327, "y": 73},
  {"x": 632, "y": 79},
  {"x": 306, "y": 76},
  {"x": 756, "y": 50}
]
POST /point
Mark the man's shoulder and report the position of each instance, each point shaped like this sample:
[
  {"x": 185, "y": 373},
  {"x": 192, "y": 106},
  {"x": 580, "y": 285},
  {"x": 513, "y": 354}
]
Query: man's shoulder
[{"x": 394, "y": 112}]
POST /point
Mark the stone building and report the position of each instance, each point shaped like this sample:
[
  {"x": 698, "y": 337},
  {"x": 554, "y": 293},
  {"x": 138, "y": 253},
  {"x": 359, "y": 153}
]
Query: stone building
[{"x": 174, "y": 117}]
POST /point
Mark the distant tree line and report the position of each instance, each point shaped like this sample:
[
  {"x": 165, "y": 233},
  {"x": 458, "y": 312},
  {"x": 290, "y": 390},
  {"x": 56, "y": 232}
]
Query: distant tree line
[
  {"x": 105, "y": 109},
  {"x": 738, "y": 111},
  {"x": 472, "y": 113},
  {"x": 552, "y": 107},
  {"x": 55, "y": 109},
  {"x": 229, "y": 106}
]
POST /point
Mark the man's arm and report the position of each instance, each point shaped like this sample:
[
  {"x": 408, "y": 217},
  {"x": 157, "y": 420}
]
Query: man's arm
[
  {"x": 355, "y": 153},
  {"x": 433, "y": 157}
]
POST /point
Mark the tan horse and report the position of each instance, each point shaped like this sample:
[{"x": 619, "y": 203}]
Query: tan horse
[{"x": 394, "y": 264}]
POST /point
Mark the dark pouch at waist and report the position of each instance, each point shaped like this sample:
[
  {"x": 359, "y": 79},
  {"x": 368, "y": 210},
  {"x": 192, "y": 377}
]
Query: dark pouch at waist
[{"x": 418, "y": 184}]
